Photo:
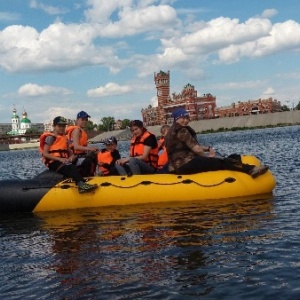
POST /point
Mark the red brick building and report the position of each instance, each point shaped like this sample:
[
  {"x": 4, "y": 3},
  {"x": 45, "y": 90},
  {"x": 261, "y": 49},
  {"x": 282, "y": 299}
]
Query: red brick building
[
  {"x": 198, "y": 107},
  {"x": 250, "y": 107}
]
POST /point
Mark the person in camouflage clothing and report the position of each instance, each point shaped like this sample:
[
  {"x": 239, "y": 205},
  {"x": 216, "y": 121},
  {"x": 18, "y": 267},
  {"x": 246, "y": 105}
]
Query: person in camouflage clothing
[{"x": 186, "y": 156}]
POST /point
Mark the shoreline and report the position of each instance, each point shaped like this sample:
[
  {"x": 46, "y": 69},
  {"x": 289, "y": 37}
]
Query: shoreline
[{"x": 281, "y": 119}]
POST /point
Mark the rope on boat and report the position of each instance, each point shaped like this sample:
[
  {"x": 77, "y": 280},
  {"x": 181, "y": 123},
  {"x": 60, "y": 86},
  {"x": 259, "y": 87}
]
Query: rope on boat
[
  {"x": 144, "y": 182},
  {"x": 185, "y": 181}
]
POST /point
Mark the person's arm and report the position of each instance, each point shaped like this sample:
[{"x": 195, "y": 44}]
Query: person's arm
[
  {"x": 149, "y": 143},
  {"x": 76, "y": 138},
  {"x": 48, "y": 155},
  {"x": 192, "y": 143}
]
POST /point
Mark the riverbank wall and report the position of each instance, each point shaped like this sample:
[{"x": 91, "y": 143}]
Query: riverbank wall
[
  {"x": 286, "y": 118},
  {"x": 20, "y": 146}
]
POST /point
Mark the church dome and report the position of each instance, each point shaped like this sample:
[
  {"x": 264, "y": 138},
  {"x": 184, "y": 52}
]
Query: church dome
[{"x": 25, "y": 120}]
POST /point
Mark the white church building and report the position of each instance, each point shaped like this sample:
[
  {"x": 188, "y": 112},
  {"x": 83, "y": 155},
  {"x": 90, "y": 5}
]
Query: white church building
[{"x": 19, "y": 126}]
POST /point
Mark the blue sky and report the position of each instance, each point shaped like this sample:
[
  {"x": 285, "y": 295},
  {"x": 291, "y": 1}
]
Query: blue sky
[{"x": 62, "y": 56}]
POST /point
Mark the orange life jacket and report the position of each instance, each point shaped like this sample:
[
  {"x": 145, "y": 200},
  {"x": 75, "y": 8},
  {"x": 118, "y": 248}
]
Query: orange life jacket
[
  {"x": 162, "y": 154},
  {"x": 137, "y": 148},
  {"x": 83, "y": 140},
  {"x": 104, "y": 156},
  {"x": 58, "y": 149}
]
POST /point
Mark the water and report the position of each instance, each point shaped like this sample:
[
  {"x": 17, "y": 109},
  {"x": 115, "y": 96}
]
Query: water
[{"x": 245, "y": 249}]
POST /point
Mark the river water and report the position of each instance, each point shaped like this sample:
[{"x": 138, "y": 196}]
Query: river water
[{"x": 242, "y": 249}]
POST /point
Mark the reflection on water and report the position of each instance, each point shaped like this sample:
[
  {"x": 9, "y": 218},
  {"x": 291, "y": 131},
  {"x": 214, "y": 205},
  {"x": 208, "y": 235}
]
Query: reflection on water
[
  {"x": 234, "y": 249},
  {"x": 117, "y": 250}
]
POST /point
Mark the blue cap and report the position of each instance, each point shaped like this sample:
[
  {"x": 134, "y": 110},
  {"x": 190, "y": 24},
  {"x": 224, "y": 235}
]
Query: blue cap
[
  {"x": 83, "y": 114},
  {"x": 179, "y": 112}
]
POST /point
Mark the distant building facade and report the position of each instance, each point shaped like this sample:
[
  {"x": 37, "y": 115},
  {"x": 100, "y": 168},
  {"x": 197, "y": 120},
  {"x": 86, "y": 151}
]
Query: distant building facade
[
  {"x": 250, "y": 107},
  {"x": 199, "y": 107}
]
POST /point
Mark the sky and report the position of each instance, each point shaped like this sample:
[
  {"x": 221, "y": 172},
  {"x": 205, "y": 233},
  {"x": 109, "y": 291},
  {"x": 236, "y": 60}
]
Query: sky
[{"x": 58, "y": 57}]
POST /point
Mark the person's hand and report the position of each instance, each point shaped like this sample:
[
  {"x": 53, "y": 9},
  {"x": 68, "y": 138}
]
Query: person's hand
[
  {"x": 63, "y": 160},
  {"x": 72, "y": 158},
  {"x": 211, "y": 152},
  {"x": 122, "y": 161},
  {"x": 93, "y": 148}
]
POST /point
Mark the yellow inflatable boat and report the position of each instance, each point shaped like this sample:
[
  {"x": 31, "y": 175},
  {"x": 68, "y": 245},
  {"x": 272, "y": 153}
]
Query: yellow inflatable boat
[{"x": 48, "y": 191}]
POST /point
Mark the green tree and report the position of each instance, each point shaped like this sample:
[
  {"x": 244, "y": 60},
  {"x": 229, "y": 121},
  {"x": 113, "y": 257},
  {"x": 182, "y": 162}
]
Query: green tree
[
  {"x": 107, "y": 124},
  {"x": 125, "y": 123},
  {"x": 298, "y": 106},
  {"x": 90, "y": 126},
  {"x": 32, "y": 131},
  {"x": 284, "y": 108}
]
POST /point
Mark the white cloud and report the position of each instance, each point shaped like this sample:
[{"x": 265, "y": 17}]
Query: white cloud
[
  {"x": 219, "y": 33},
  {"x": 269, "y": 92},
  {"x": 239, "y": 85},
  {"x": 268, "y": 13},
  {"x": 51, "y": 10},
  {"x": 110, "y": 89},
  {"x": 141, "y": 20},
  {"x": 154, "y": 101},
  {"x": 34, "y": 90},
  {"x": 281, "y": 37},
  {"x": 58, "y": 47},
  {"x": 9, "y": 17}
]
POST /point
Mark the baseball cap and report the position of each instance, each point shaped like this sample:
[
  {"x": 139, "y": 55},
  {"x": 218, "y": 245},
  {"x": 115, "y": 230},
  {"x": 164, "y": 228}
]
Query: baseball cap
[
  {"x": 178, "y": 113},
  {"x": 83, "y": 114},
  {"x": 111, "y": 140},
  {"x": 59, "y": 120}
]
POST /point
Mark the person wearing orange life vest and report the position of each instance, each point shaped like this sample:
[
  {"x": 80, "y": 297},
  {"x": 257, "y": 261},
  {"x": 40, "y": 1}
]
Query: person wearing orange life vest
[
  {"x": 162, "y": 165},
  {"x": 107, "y": 158},
  {"x": 78, "y": 140},
  {"x": 143, "y": 150},
  {"x": 58, "y": 157}
]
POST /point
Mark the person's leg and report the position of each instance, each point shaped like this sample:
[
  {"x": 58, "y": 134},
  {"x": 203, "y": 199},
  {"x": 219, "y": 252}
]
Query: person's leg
[
  {"x": 138, "y": 166},
  {"x": 86, "y": 167},
  {"x": 68, "y": 170},
  {"x": 203, "y": 164},
  {"x": 120, "y": 170},
  {"x": 164, "y": 169}
]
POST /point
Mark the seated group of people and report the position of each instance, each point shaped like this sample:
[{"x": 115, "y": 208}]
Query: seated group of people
[{"x": 66, "y": 151}]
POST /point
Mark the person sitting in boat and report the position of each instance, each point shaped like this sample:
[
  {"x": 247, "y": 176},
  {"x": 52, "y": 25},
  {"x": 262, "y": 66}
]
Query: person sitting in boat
[
  {"x": 107, "y": 158},
  {"x": 186, "y": 156},
  {"x": 143, "y": 150},
  {"x": 162, "y": 164},
  {"x": 78, "y": 140},
  {"x": 58, "y": 157}
]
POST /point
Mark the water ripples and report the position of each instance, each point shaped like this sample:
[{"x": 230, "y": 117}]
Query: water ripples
[{"x": 241, "y": 249}]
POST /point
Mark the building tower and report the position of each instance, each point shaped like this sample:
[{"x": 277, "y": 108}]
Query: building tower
[
  {"x": 25, "y": 123},
  {"x": 162, "y": 83},
  {"x": 15, "y": 122}
]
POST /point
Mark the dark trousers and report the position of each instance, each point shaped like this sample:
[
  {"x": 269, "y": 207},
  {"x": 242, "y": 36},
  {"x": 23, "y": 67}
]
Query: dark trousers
[
  {"x": 204, "y": 164},
  {"x": 68, "y": 170},
  {"x": 87, "y": 167}
]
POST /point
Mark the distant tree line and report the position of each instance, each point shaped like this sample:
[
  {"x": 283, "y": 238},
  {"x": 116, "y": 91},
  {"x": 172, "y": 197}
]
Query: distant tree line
[{"x": 106, "y": 124}]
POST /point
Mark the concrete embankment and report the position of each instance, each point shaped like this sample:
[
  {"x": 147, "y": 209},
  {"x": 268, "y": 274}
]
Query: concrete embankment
[
  {"x": 6, "y": 147},
  {"x": 273, "y": 119}
]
